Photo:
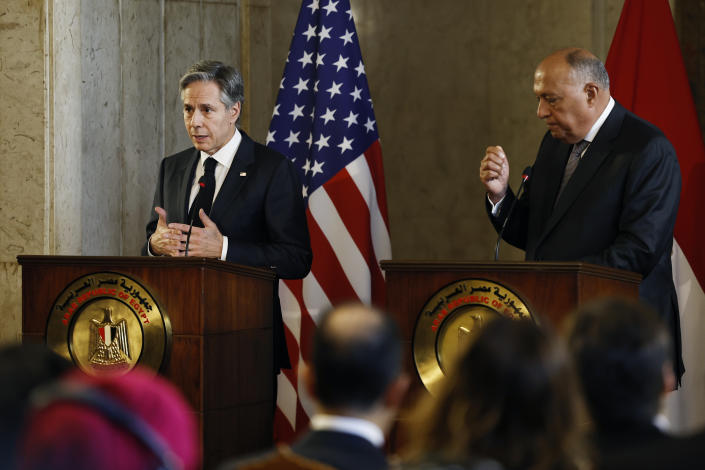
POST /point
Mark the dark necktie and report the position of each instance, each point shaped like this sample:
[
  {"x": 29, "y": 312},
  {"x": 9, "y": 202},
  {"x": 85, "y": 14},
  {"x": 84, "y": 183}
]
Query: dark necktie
[
  {"x": 571, "y": 165},
  {"x": 204, "y": 198}
]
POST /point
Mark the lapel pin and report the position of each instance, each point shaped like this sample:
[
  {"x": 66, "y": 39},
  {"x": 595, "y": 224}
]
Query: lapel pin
[{"x": 242, "y": 173}]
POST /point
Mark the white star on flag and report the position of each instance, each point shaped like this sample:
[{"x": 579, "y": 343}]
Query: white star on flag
[
  {"x": 322, "y": 142},
  {"x": 317, "y": 168},
  {"x": 334, "y": 89},
  {"x": 306, "y": 59},
  {"x": 328, "y": 116},
  {"x": 356, "y": 94},
  {"x": 351, "y": 119},
  {"x": 347, "y": 37},
  {"x": 345, "y": 144},
  {"x": 341, "y": 63},
  {"x": 319, "y": 62},
  {"x": 324, "y": 34},
  {"x": 330, "y": 8},
  {"x": 310, "y": 32},
  {"x": 301, "y": 86},
  {"x": 298, "y": 111},
  {"x": 360, "y": 69},
  {"x": 270, "y": 137},
  {"x": 293, "y": 138},
  {"x": 313, "y": 6}
]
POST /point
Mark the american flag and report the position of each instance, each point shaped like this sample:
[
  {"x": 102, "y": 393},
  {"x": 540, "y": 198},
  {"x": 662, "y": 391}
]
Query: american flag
[{"x": 324, "y": 122}]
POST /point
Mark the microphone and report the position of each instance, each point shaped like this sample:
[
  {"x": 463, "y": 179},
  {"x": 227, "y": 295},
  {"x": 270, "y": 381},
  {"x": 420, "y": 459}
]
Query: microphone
[
  {"x": 195, "y": 208},
  {"x": 524, "y": 178}
]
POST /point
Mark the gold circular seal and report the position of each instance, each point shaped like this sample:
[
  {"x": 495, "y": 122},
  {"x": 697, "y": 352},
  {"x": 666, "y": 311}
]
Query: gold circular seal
[
  {"x": 451, "y": 319},
  {"x": 108, "y": 322}
]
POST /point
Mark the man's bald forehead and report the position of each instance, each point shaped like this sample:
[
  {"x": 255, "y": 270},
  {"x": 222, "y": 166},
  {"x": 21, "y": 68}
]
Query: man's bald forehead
[
  {"x": 352, "y": 321},
  {"x": 575, "y": 63}
]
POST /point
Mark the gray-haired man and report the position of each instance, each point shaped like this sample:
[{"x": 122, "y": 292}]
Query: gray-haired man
[{"x": 252, "y": 212}]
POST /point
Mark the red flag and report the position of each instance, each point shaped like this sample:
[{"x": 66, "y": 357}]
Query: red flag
[
  {"x": 324, "y": 122},
  {"x": 647, "y": 76}
]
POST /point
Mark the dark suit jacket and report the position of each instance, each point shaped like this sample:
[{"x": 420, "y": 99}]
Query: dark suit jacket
[
  {"x": 618, "y": 209},
  {"x": 261, "y": 212},
  {"x": 340, "y": 450},
  {"x": 647, "y": 448}
]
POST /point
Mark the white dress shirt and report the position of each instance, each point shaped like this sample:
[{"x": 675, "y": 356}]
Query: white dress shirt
[
  {"x": 225, "y": 157},
  {"x": 356, "y": 426}
]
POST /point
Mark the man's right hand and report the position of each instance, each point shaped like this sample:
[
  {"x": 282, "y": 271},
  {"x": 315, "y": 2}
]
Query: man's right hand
[
  {"x": 164, "y": 241},
  {"x": 494, "y": 173}
]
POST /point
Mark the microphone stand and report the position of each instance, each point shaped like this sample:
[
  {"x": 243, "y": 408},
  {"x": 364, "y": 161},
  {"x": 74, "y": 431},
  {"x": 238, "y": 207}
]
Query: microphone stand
[
  {"x": 196, "y": 207},
  {"x": 524, "y": 178}
]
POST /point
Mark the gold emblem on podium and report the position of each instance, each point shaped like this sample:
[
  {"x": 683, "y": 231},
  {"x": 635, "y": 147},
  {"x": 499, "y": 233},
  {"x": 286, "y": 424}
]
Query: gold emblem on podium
[
  {"x": 108, "y": 322},
  {"x": 451, "y": 319}
]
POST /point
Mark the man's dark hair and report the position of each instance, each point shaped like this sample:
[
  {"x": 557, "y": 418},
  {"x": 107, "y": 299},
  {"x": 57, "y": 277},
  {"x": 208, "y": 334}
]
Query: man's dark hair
[
  {"x": 621, "y": 350},
  {"x": 588, "y": 68},
  {"x": 354, "y": 366},
  {"x": 229, "y": 80}
]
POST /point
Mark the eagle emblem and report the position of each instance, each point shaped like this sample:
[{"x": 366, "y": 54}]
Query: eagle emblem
[{"x": 109, "y": 345}]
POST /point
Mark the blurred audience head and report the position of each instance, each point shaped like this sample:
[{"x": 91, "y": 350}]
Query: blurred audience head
[
  {"x": 511, "y": 398},
  {"x": 136, "y": 421},
  {"x": 622, "y": 354},
  {"x": 356, "y": 363},
  {"x": 23, "y": 368}
]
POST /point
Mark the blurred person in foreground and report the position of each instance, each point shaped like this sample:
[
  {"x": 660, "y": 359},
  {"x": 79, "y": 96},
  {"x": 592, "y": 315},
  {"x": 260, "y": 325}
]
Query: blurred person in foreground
[
  {"x": 510, "y": 403},
  {"x": 357, "y": 383},
  {"x": 136, "y": 421},
  {"x": 23, "y": 368},
  {"x": 622, "y": 353}
]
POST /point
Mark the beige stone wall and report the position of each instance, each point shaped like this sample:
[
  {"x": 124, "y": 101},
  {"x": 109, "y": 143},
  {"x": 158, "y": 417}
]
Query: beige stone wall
[{"x": 22, "y": 148}]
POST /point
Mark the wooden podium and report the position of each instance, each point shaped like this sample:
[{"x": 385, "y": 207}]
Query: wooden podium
[
  {"x": 221, "y": 352},
  {"x": 550, "y": 289}
]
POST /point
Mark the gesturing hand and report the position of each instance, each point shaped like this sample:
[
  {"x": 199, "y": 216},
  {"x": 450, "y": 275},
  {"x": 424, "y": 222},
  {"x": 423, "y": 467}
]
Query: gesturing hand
[
  {"x": 494, "y": 173},
  {"x": 164, "y": 241},
  {"x": 205, "y": 242}
]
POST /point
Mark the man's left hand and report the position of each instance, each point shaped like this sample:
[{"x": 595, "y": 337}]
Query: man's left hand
[{"x": 205, "y": 242}]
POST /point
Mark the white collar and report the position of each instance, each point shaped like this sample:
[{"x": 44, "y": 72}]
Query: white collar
[
  {"x": 359, "y": 427},
  {"x": 226, "y": 154},
  {"x": 600, "y": 121}
]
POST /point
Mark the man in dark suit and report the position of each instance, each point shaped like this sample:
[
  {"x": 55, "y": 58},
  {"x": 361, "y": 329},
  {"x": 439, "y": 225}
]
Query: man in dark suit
[
  {"x": 622, "y": 354},
  {"x": 604, "y": 188},
  {"x": 357, "y": 383},
  {"x": 244, "y": 199}
]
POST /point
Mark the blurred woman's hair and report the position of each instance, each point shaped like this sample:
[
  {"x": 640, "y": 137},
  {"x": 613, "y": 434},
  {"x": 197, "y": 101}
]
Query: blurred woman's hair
[{"x": 512, "y": 398}]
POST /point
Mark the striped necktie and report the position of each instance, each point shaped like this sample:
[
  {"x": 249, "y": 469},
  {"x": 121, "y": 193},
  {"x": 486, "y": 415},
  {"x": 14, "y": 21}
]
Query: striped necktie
[{"x": 572, "y": 164}]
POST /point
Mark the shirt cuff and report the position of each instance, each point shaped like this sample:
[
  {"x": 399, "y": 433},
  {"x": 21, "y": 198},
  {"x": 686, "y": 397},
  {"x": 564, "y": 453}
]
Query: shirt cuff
[
  {"x": 495, "y": 207},
  {"x": 149, "y": 242},
  {"x": 224, "y": 252}
]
